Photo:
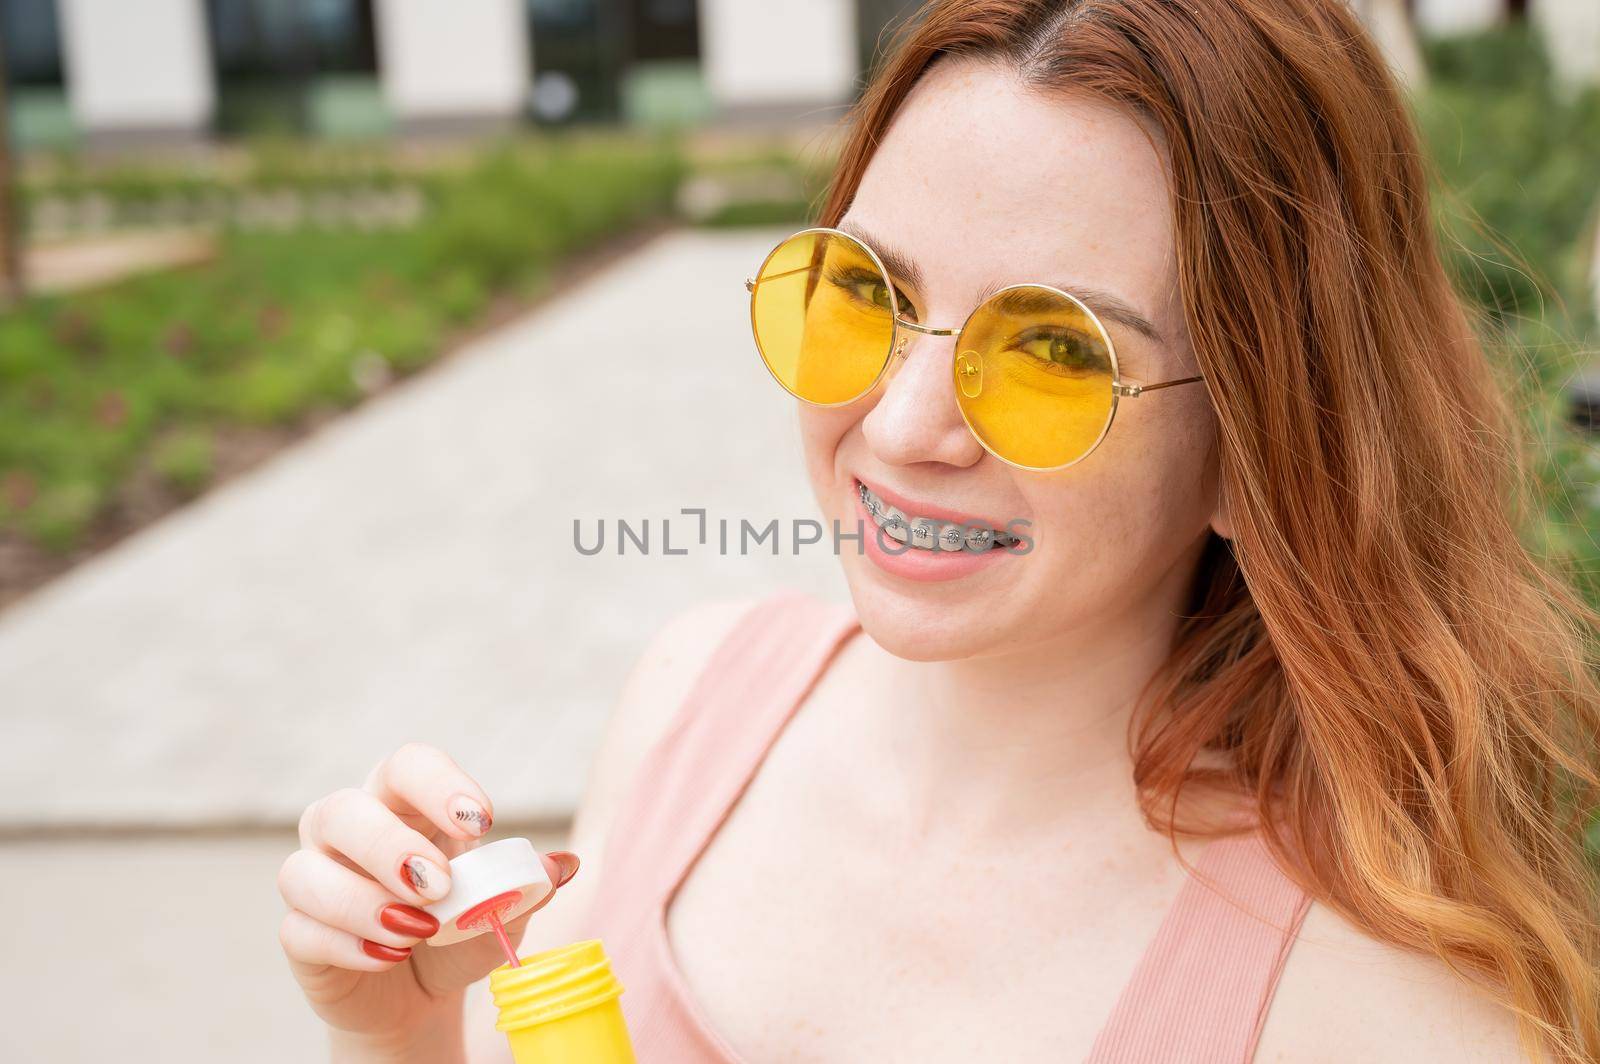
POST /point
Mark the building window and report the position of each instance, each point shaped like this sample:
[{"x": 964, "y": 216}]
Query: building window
[
  {"x": 31, "y": 36},
  {"x": 30, "y": 44},
  {"x": 296, "y": 65},
  {"x": 604, "y": 60},
  {"x": 665, "y": 29}
]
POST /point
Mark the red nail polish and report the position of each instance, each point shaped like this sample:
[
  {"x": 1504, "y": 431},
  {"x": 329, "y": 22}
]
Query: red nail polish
[
  {"x": 408, "y": 920},
  {"x": 384, "y": 953},
  {"x": 569, "y": 865}
]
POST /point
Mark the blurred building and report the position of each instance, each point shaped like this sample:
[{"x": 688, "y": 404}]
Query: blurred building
[
  {"x": 1570, "y": 28},
  {"x": 109, "y": 71}
]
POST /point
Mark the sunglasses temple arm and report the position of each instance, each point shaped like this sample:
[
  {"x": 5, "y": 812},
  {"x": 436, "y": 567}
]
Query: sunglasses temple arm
[{"x": 1132, "y": 391}]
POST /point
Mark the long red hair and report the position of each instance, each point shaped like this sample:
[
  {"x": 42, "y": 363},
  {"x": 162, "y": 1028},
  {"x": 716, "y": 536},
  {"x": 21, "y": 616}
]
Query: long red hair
[{"x": 1407, "y": 693}]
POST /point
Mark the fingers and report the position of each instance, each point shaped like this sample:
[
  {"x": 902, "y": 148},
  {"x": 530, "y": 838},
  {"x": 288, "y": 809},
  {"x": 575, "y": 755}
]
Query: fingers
[
  {"x": 330, "y": 893},
  {"x": 357, "y": 825},
  {"x": 312, "y": 944},
  {"x": 424, "y": 780}
]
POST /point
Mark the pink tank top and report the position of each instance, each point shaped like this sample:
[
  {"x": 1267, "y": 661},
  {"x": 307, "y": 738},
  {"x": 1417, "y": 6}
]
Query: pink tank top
[{"x": 1200, "y": 992}]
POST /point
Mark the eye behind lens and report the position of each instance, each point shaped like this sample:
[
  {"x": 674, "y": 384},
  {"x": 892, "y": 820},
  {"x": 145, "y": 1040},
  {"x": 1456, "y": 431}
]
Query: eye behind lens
[{"x": 821, "y": 317}]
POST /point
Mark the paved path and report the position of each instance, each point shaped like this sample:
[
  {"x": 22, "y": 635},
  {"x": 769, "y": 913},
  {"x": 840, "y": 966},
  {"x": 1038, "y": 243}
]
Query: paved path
[
  {"x": 179, "y": 976},
  {"x": 408, "y": 572},
  {"x": 88, "y": 262}
]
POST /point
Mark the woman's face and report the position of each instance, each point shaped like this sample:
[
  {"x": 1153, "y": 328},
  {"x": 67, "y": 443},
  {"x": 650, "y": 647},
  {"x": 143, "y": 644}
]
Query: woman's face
[{"x": 981, "y": 182}]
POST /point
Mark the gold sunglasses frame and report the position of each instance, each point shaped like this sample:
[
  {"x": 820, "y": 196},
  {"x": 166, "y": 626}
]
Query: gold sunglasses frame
[{"x": 897, "y": 344}]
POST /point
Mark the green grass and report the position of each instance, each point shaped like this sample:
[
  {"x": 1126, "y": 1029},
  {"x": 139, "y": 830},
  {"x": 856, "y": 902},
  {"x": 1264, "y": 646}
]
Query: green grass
[{"x": 95, "y": 386}]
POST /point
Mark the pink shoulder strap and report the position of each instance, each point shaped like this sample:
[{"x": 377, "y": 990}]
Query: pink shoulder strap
[
  {"x": 1202, "y": 989},
  {"x": 689, "y": 780}
]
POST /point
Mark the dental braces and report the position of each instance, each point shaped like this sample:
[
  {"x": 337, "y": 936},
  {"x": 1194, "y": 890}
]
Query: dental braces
[{"x": 927, "y": 535}]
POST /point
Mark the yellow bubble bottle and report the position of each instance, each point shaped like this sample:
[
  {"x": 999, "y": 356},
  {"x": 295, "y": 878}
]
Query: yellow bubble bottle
[{"x": 560, "y": 1006}]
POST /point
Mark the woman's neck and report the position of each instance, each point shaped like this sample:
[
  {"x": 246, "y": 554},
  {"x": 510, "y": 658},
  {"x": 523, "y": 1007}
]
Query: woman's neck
[{"x": 1028, "y": 740}]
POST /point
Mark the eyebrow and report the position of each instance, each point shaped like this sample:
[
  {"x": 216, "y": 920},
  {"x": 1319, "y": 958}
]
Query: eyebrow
[{"x": 1104, "y": 304}]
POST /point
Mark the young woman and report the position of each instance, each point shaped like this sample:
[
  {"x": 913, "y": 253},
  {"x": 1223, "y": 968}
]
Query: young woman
[{"x": 1262, "y": 737}]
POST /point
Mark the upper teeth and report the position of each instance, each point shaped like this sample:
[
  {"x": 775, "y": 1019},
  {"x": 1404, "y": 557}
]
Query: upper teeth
[{"x": 927, "y": 532}]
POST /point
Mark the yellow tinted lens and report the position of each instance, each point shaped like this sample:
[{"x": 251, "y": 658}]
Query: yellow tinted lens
[
  {"x": 1033, "y": 375},
  {"x": 822, "y": 318}
]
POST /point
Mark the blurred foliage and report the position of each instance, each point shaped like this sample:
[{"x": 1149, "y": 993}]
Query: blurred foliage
[
  {"x": 1520, "y": 163},
  {"x": 184, "y": 459},
  {"x": 133, "y": 189},
  {"x": 1526, "y": 160},
  {"x": 771, "y": 186},
  {"x": 96, "y": 386}
]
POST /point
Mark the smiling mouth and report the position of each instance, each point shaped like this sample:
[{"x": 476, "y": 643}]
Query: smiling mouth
[{"x": 929, "y": 533}]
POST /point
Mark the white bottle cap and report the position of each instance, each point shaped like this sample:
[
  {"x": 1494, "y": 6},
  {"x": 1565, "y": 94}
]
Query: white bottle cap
[{"x": 490, "y": 871}]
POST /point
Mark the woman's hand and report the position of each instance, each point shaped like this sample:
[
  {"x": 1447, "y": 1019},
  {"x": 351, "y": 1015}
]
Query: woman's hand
[{"x": 369, "y": 858}]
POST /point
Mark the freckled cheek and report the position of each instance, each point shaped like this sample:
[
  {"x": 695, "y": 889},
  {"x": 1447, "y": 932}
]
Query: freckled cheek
[
  {"x": 1076, "y": 522},
  {"x": 1164, "y": 462},
  {"x": 1097, "y": 545},
  {"x": 823, "y": 429},
  {"x": 1140, "y": 502},
  {"x": 823, "y": 436},
  {"x": 1180, "y": 471}
]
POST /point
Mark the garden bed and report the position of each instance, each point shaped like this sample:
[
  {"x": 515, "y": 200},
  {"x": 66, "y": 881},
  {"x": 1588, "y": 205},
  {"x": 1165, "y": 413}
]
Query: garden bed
[{"x": 120, "y": 404}]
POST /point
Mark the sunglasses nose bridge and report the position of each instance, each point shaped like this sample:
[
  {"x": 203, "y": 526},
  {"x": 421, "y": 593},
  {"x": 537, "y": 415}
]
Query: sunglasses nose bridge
[
  {"x": 905, "y": 334},
  {"x": 905, "y": 331}
]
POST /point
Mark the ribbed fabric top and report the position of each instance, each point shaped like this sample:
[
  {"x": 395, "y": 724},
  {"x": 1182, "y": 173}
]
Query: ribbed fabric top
[{"x": 1200, "y": 992}]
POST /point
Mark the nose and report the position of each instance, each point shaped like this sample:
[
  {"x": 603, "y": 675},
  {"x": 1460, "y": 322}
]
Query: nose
[{"x": 916, "y": 418}]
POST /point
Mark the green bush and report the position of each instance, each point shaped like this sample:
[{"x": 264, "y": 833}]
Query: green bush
[
  {"x": 516, "y": 212},
  {"x": 184, "y": 459},
  {"x": 1521, "y": 169},
  {"x": 95, "y": 385}
]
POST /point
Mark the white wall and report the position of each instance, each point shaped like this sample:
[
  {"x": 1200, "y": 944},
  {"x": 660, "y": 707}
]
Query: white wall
[
  {"x": 757, "y": 52},
  {"x": 453, "y": 58},
  {"x": 1439, "y": 17},
  {"x": 1396, "y": 37},
  {"x": 137, "y": 65},
  {"x": 1572, "y": 37}
]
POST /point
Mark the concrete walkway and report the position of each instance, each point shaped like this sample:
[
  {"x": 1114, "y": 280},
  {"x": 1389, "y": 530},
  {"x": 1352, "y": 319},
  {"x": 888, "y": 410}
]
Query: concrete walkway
[
  {"x": 409, "y": 571},
  {"x": 157, "y": 975}
]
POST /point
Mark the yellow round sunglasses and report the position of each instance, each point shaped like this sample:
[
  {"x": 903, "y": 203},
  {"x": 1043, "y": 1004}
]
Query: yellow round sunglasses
[{"x": 1035, "y": 371}]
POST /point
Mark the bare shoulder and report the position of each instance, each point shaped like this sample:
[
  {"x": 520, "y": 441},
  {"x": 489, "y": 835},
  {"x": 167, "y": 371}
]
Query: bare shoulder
[
  {"x": 654, "y": 690},
  {"x": 1346, "y": 996}
]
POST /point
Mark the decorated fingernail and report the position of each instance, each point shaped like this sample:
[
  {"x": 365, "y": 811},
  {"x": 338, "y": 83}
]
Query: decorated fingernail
[
  {"x": 568, "y": 862},
  {"x": 384, "y": 953},
  {"x": 408, "y": 920},
  {"x": 470, "y": 814},
  {"x": 425, "y": 877}
]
